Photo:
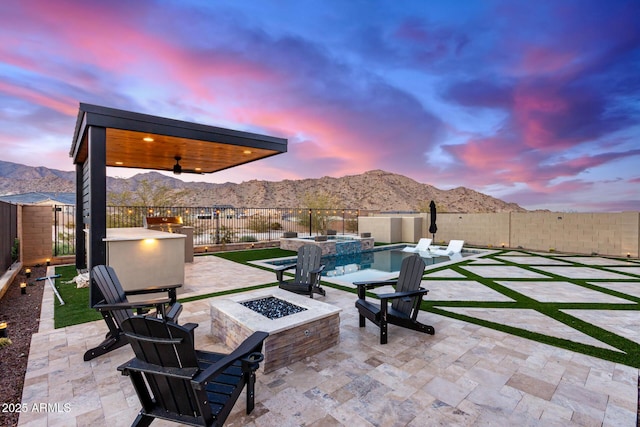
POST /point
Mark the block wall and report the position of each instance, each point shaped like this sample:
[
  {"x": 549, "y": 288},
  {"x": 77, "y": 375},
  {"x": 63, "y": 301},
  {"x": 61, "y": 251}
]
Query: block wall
[
  {"x": 411, "y": 229},
  {"x": 35, "y": 228},
  {"x": 482, "y": 229},
  {"x": 382, "y": 229},
  {"x": 614, "y": 234}
]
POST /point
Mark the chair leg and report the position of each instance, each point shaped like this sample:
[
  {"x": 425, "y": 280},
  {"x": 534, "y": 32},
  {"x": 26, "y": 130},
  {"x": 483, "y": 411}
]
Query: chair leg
[
  {"x": 362, "y": 321},
  {"x": 142, "y": 420},
  {"x": 251, "y": 392},
  {"x": 110, "y": 343},
  {"x": 383, "y": 332}
]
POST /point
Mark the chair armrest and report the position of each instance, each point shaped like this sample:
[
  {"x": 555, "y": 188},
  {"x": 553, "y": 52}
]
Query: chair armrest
[
  {"x": 174, "y": 312},
  {"x": 364, "y": 286},
  {"x": 140, "y": 366},
  {"x": 190, "y": 326},
  {"x": 317, "y": 270},
  {"x": 247, "y": 347},
  {"x": 396, "y": 295},
  {"x": 131, "y": 305},
  {"x": 372, "y": 285},
  {"x": 279, "y": 270}
]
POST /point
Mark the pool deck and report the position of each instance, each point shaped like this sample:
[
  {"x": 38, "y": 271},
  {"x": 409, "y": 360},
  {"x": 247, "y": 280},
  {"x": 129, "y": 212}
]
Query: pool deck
[{"x": 465, "y": 374}]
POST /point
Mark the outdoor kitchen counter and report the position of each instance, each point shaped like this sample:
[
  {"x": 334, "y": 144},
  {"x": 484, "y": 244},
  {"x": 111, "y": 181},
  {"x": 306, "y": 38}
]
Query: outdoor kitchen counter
[{"x": 143, "y": 257}]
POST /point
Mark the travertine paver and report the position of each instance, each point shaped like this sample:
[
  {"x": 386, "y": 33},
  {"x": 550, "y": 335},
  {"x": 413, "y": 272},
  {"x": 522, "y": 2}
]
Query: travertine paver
[
  {"x": 629, "y": 288},
  {"x": 503, "y": 271},
  {"x": 533, "y": 260},
  {"x": 461, "y": 290},
  {"x": 529, "y": 320},
  {"x": 581, "y": 272},
  {"x": 560, "y": 292},
  {"x": 621, "y": 322},
  {"x": 598, "y": 261},
  {"x": 482, "y": 261},
  {"x": 209, "y": 274},
  {"x": 448, "y": 273},
  {"x": 628, "y": 270}
]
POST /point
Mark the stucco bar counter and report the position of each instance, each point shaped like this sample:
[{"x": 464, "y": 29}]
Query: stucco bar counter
[{"x": 143, "y": 257}]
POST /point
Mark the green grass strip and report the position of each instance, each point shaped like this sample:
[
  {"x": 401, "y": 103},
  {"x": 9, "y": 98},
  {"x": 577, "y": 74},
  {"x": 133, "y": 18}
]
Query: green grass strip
[{"x": 76, "y": 308}]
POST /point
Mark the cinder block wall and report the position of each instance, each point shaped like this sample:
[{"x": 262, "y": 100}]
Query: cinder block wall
[
  {"x": 482, "y": 229},
  {"x": 614, "y": 234},
  {"x": 382, "y": 229},
  {"x": 411, "y": 228},
  {"x": 35, "y": 228}
]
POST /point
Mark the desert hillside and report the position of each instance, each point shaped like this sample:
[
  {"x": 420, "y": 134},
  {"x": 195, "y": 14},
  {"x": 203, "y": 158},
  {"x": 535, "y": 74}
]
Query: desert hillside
[{"x": 374, "y": 190}]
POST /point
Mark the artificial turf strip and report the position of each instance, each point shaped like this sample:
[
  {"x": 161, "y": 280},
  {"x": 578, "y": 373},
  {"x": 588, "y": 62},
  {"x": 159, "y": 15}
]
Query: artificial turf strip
[
  {"x": 552, "y": 310},
  {"x": 244, "y": 257},
  {"x": 76, "y": 307}
]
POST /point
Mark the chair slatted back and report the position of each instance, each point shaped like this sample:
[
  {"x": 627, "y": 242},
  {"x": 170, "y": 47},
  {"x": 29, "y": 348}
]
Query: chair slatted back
[
  {"x": 411, "y": 271},
  {"x": 111, "y": 289},
  {"x": 308, "y": 260},
  {"x": 168, "y": 345}
]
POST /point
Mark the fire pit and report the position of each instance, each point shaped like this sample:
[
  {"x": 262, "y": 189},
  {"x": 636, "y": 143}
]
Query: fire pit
[
  {"x": 298, "y": 326},
  {"x": 272, "y": 307}
]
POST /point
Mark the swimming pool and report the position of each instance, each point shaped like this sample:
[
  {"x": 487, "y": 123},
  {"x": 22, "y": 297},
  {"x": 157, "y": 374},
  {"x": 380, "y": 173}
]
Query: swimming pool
[{"x": 372, "y": 264}]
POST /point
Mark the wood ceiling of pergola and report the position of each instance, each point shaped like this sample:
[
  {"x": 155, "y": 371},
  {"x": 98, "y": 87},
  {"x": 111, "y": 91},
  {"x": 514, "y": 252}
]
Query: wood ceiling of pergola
[{"x": 135, "y": 140}]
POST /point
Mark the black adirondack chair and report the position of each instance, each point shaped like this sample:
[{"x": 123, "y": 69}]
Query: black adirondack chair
[
  {"x": 115, "y": 307},
  {"x": 308, "y": 269},
  {"x": 178, "y": 383},
  {"x": 405, "y": 302}
]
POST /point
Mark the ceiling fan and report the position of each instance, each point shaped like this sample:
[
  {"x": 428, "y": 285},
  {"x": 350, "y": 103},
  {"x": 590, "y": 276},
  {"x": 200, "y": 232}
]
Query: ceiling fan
[{"x": 178, "y": 169}]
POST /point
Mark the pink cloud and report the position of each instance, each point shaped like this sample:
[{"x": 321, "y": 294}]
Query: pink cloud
[{"x": 65, "y": 106}]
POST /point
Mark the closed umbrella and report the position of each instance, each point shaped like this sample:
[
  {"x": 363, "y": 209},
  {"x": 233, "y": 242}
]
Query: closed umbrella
[{"x": 433, "y": 228}]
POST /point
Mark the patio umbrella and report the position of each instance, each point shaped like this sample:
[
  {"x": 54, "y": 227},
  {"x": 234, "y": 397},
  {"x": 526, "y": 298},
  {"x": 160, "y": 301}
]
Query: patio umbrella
[{"x": 433, "y": 228}]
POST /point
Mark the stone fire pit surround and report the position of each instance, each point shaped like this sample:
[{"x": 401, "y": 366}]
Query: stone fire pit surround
[{"x": 291, "y": 338}]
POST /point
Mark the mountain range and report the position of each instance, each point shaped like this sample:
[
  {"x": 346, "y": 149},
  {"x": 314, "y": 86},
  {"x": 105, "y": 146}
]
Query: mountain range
[{"x": 375, "y": 190}]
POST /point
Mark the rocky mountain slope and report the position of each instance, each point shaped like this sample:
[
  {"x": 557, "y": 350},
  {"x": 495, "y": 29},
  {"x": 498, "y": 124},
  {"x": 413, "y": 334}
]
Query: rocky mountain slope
[{"x": 373, "y": 190}]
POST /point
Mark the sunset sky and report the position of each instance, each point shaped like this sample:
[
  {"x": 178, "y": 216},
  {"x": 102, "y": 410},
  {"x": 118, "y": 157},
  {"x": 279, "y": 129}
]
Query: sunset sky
[{"x": 533, "y": 102}]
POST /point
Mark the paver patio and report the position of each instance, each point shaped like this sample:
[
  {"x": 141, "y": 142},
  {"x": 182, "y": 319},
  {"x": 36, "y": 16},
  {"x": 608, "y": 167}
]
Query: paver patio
[{"x": 465, "y": 374}]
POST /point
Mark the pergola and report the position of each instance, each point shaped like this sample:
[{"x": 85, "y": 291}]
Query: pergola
[{"x": 109, "y": 137}]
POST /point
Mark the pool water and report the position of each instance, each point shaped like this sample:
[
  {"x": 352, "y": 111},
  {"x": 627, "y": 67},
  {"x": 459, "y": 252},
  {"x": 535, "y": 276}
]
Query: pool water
[
  {"x": 377, "y": 262},
  {"x": 387, "y": 261}
]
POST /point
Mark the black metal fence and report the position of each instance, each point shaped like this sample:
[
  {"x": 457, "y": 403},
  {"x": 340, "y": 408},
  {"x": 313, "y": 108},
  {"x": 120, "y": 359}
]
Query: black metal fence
[
  {"x": 213, "y": 225},
  {"x": 9, "y": 249}
]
